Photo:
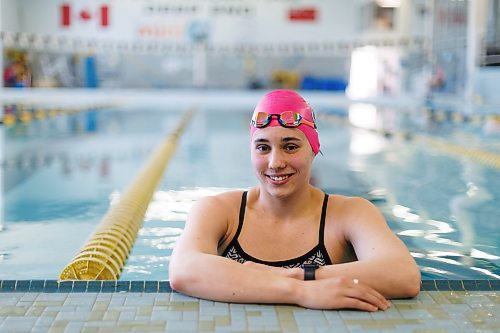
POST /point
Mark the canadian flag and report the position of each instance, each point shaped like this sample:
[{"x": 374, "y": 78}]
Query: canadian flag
[{"x": 70, "y": 15}]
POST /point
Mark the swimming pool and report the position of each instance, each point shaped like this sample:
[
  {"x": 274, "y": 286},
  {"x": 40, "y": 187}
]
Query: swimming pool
[{"x": 61, "y": 174}]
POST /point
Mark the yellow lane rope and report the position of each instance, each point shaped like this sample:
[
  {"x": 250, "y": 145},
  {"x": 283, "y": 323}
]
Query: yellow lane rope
[
  {"x": 485, "y": 157},
  {"x": 104, "y": 255},
  {"x": 25, "y": 113}
]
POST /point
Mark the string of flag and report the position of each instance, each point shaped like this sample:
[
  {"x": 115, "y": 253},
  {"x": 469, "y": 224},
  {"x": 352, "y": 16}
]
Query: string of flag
[{"x": 44, "y": 42}]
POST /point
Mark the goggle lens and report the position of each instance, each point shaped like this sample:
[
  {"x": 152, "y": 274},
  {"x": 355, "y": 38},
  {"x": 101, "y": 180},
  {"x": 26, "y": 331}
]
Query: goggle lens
[
  {"x": 261, "y": 119},
  {"x": 290, "y": 119}
]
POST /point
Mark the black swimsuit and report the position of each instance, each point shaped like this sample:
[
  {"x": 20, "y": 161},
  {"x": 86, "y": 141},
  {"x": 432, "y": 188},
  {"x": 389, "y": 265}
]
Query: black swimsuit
[{"x": 318, "y": 255}]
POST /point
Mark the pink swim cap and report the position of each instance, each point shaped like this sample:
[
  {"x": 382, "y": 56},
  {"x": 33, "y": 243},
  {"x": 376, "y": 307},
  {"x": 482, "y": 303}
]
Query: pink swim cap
[{"x": 279, "y": 101}]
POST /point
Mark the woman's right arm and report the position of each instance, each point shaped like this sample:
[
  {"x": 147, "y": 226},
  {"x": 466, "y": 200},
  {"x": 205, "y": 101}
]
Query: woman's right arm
[{"x": 197, "y": 270}]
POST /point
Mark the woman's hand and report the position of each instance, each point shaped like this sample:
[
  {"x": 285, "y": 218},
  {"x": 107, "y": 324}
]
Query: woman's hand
[
  {"x": 330, "y": 293},
  {"x": 338, "y": 293},
  {"x": 295, "y": 273}
]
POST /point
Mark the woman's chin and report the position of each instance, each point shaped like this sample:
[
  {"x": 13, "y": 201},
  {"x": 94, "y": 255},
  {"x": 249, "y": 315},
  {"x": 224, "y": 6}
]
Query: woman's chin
[{"x": 279, "y": 191}]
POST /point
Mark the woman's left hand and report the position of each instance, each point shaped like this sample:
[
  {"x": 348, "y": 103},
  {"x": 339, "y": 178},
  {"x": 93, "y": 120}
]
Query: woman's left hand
[{"x": 295, "y": 273}]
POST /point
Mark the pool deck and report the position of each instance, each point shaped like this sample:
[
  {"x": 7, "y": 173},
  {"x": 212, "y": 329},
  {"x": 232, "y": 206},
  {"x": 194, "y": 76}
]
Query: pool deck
[{"x": 151, "y": 306}]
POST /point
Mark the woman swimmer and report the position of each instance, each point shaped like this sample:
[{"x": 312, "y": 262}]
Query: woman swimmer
[{"x": 285, "y": 240}]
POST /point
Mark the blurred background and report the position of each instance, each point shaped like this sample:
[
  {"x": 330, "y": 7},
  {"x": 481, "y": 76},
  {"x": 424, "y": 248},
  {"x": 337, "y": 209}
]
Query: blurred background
[{"x": 419, "y": 50}]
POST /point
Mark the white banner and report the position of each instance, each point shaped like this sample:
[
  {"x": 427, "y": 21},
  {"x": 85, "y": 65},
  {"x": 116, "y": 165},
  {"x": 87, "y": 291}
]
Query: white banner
[{"x": 216, "y": 21}]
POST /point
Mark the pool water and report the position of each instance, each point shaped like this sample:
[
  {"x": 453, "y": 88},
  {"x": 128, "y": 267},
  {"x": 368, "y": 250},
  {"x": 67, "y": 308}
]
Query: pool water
[{"x": 60, "y": 175}]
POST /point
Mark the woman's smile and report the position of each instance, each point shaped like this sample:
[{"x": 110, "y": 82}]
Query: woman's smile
[{"x": 279, "y": 179}]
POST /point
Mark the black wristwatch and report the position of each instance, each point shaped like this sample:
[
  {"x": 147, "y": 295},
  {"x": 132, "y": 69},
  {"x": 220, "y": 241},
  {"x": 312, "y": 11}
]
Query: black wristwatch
[{"x": 310, "y": 271}]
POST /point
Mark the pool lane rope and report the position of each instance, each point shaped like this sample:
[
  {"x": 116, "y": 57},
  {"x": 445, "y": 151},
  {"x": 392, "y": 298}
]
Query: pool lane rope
[
  {"x": 488, "y": 158},
  {"x": 105, "y": 253},
  {"x": 485, "y": 157}
]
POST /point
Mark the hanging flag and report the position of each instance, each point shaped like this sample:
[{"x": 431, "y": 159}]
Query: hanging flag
[
  {"x": 302, "y": 14},
  {"x": 65, "y": 15},
  {"x": 83, "y": 15}
]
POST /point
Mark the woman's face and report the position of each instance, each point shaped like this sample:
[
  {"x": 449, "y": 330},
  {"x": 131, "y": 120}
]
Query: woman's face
[{"x": 282, "y": 159}]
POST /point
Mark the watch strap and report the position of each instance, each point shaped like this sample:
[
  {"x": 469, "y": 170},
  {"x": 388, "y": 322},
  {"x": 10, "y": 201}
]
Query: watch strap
[{"x": 309, "y": 272}]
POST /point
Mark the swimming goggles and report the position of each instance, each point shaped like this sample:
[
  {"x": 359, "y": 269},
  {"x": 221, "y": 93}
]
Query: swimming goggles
[{"x": 287, "y": 119}]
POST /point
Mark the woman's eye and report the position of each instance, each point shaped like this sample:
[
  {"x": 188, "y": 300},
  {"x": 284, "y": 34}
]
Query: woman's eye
[
  {"x": 291, "y": 147},
  {"x": 262, "y": 148}
]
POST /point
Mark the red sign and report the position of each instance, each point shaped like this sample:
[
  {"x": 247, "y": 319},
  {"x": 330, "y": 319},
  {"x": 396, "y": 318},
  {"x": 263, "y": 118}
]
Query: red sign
[
  {"x": 70, "y": 15},
  {"x": 302, "y": 14}
]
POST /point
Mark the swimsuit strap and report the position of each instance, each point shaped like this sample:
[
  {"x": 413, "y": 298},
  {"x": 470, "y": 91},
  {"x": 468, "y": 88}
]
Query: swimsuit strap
[
  {"x": 323, "y": 221},
  {"x": 242, "y": 214}
]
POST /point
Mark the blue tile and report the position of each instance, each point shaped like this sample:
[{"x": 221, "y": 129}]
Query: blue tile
[
  {"x": 151, "y": 287},
  {"x": 456, "y": 285},
  {"x": 51, "y": 286},
  {"x": 137, "y": 286},
  {"x": 23, "y": 285},
  {"x": 495, "y": 285},
  {"x": 94, "y": 286},
  {"x": 8, "y": 285},
  {"x": 37, "y": 285},
  {"x": 108, "y": 286},
  {"x": 483, "y": 285},
  {"x": 470, "y": 285},
  {"x": 122, "y": 286},
  {"x": 428, "y": 285},
  {"x": 442, "y": 285},
  {"x": 164, "y": 287},
  {"x": 65, "y": 286},
  {"x": 79, "y": 286}
]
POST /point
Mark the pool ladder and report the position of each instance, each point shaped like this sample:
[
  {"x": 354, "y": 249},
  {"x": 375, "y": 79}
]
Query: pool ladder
[{"x": 105, "y": 253}]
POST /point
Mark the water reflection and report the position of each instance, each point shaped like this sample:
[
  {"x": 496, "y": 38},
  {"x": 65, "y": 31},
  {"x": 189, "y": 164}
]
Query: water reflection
[
  {"x": 405, "y": 214},
  {"x": 458, "y": 253},
  {"x": 173, "y": 205},
  {"x": 159, "y": 238},
  {"x": 365, "y": 143},
  {"x": 462, "y": 205},
  {"x": 147, "y": 266},
  {"x": 163, "y": 224}
]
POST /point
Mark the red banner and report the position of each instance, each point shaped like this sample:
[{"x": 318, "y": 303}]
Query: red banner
[{"x": 302, "y": 14}]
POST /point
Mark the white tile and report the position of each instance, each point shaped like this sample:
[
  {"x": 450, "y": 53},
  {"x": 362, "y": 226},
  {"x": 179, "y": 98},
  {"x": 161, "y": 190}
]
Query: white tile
[
  {"x": 127, "y": 316},
  {"x": 176, "y": 297},
  {"x": 71, "y": 316},
  {"x": 15, "y": 324},
  {"x": 182, "y": 326}
]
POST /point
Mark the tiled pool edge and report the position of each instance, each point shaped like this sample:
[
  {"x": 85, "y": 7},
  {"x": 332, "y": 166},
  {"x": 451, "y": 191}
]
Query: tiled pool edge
[{"x": 54, "y": 286}]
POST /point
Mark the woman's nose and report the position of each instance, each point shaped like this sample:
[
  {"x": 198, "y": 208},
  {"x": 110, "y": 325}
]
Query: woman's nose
[{"x": 277, "y": 160}]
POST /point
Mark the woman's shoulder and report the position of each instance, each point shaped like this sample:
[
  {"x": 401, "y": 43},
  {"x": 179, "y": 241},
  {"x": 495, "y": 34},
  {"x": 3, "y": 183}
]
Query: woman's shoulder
[
  {"x": 222, "y": 201},
  {"x": 343, "y": 204},
  {"x": 348, "y": 200},
  {"x": 353, "y": 211}
]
